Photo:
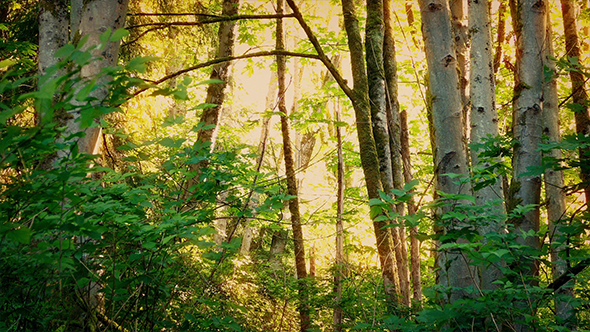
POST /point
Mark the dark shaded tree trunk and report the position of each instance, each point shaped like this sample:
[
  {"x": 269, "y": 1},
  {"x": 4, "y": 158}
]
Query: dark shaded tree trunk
[{"x": 579, "y": 94}]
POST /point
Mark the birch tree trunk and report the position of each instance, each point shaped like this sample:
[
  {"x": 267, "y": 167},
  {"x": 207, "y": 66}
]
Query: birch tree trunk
[
  {"x": 300, "y": 265},
  {"x": 449, "y": 149},
  {"x": 484, "y": 123},
  {"x": 96, "y": 17},
  {"x": 525, "y": 189},
  {"x": 554, "y": 184},
  {"x": 53, "y": 31},
  {"x": 579, "y": 94}
]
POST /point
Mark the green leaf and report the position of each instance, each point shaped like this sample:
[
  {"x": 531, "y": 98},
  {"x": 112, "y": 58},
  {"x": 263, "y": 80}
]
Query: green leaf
[
  {"x": 375, "y": 201},
  {"x": 22, "y": 235},
  {"x": 149, "y": 245},
  {"x": 119, "y": 34},
  {"x": 211, "y": 81},
  {"x": 6, "y": 63},
  {"x": 204, "y": 106},
  {"x": 104, "y": 37}
]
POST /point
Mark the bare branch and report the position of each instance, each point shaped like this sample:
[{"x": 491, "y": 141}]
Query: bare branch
[
  {"x": 225, "y": 59},
  {"x": 321, "y": 55},
  {"x": 212, "y": 19},
  {"x": 569, "y": 274}
]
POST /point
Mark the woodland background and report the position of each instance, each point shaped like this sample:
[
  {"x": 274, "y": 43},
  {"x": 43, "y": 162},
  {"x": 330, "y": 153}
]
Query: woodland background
[{"x": 244, "y": 165}]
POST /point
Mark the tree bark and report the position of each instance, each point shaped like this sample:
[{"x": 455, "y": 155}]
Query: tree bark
[
  {"x": 579, "y": 94},
  {"x": 501, "y": 35},
  {"x": 554, "y": 184},
  {"x": 53, "y": 31},
  {"x": 216, "y": 92},
  {"x": 415, "y": 260},
  {"x": 484, "y": 123},
  {"x": 448, "y": 145},
  {"x": 525, "y": 189},
  {"x": 300, "y": 265},
  {"x": 97, "y": 16},
  {"x": 394, "y": 131},
  {"x": 461, "y": 36},
  {"x": 368, "y": 150}
]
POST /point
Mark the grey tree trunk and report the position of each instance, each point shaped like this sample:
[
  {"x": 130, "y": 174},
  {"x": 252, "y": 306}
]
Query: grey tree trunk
[
  {"x": 96, "y": 17},
  {"x": 525, "y": 189},
  {"x": 579, "y": 94},
  {"x": 484, "y": 123},
  {"x": 554, "y": 185},
  {"x": 53, "y": 31},
  {"x": 299, "y": 247},
  {"x": 449, "y": 149}
]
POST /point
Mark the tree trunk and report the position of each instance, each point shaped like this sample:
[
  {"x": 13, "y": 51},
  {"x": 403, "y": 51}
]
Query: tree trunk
[
  {"x": 525, "y": 189},
  {"x": 484, "y": 123},
  {"x": 449, "y": 148},
  {"x": 394, "y": 128},
  {"x": 96, "y": 17},
  {"x": 501, "y": 35},
  {"x": 414, "y": 241},
  {"x": 579, "y": 94},
  {"x": 461, "y": 36},
  {"x": 368, "y": 151},
  {"x": 300, "y": 265},
  {"x": 407, "y": 171},
  {"x": 216, "y": 92},
  {"x": 339, "y": 272},
  {"x": 554, "y": 185},
  {"x": 53, "y": 31}
]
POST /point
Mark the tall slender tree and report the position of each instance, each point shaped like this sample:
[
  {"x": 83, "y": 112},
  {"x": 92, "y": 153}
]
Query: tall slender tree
[
  {"x": 300, "y": 265},
  {"x": 484, "y": 122},
  {"x": 554, "y": 182},
  {"x": 579, "y": 93},
  {"x": 450, "y": 153},
  {"x": 525, "y": 188}
]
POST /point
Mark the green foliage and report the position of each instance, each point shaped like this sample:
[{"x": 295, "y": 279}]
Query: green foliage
[{"x": 83, "y": 245}]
